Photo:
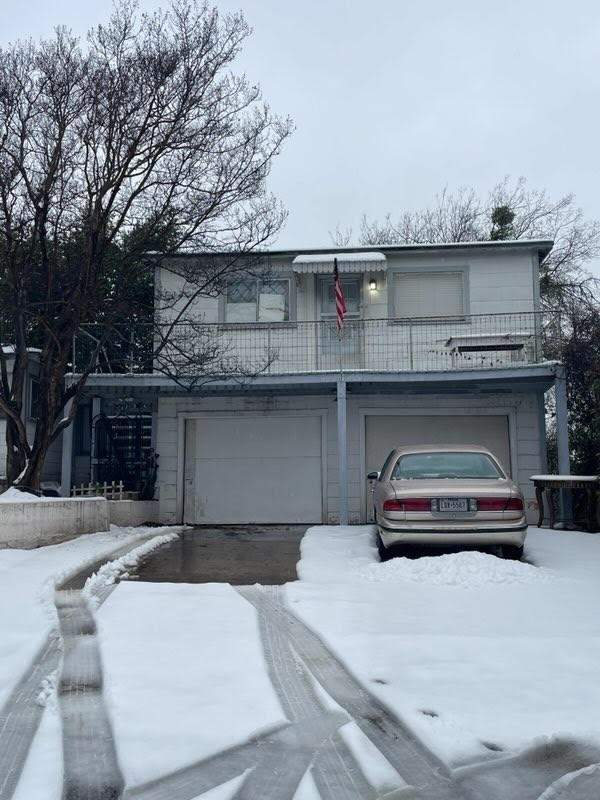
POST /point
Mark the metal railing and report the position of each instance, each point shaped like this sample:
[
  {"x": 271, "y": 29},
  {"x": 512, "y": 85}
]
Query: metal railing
[{"x": 480, "y": 341}]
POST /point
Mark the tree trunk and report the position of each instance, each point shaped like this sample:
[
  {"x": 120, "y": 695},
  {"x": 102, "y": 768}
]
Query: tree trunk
[
  {"x": 15, "y": 457},
  {"x": 31, "y": 475}
]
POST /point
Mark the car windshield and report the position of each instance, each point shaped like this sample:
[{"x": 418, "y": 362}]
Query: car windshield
[{"x": 445, "y": 465}]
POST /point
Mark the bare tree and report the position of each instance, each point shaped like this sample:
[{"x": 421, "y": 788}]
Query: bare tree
[
  {"x": 510, "y": 210},
  {"x": 141, "y": 138}
]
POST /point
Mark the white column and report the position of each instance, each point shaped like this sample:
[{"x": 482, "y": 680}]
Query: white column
[
  {"x": 562, "y": 441},
  {"x": 342, "y": 450},
  {"x": 67, "y": 455}
]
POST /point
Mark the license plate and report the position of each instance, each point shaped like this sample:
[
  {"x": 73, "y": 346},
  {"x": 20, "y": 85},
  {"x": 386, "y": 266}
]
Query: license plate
[{"x": 453, "y": 504}]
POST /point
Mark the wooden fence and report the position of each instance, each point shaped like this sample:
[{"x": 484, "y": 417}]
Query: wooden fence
[{"x": 112, "y": 491}]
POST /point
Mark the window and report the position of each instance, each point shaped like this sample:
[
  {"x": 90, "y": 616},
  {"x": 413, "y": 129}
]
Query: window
[
  {"x": 445, "y": 465},
  {"x": 256, "y": 300},
  {"x": 351, "y": 290},
  {"x": 429, "y": 294}
]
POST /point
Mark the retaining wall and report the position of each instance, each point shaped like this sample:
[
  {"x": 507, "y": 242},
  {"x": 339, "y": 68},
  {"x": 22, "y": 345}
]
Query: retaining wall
[
  {"x": 132, "y": 512},
  {"x": 34, "y": 524}
]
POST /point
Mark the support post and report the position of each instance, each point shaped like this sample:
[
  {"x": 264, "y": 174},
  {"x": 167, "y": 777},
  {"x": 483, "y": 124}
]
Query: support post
[
  {"x": 67, "y": 456},
  {"x": 342, "y": 450},
  {"x": 562, "y": 441},
  {"x": 96, "y": 409}
]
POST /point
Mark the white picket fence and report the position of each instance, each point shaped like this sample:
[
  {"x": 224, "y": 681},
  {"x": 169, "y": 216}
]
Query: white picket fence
[{"x": 112, "y": 491}]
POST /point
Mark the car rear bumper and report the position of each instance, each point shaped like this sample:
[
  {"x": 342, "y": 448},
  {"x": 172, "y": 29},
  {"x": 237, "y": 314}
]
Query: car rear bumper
[{"x": 489, "y": 535}]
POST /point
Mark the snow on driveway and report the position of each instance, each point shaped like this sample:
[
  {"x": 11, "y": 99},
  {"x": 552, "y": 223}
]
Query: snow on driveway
[
  {"x": 478, "y": 655},
  {"x": 184, "y": 675}
]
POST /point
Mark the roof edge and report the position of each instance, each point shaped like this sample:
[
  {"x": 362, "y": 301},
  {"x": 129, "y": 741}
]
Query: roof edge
[{"x": 541, "y": 246}]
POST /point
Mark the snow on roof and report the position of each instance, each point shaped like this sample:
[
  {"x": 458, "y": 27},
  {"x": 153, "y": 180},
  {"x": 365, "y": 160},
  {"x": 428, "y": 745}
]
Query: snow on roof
[
  {"x": 542, "y": 245},
  {"x": 317, "y": 258},
  {"x": 347, "y": 262}
]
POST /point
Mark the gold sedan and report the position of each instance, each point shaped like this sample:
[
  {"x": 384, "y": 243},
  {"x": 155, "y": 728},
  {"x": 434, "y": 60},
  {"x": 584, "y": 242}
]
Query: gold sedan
[{"x": 447, "y": 495}]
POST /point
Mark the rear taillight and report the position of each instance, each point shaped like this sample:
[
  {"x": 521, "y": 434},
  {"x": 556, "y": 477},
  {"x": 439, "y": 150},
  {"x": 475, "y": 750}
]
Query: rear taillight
[
  {"x": 514, "y": 504},
  {"x": 499, "y": 504},
  {"x": 409, "y": 504},
  {"x": 491, "y": 503}
]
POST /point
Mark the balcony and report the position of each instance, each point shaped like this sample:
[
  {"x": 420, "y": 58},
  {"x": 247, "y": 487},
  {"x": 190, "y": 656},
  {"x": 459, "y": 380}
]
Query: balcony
[{"x": 197, "y": 350}]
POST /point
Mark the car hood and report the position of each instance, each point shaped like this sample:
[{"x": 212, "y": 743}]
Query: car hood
[{"x": 454, "y": 487}]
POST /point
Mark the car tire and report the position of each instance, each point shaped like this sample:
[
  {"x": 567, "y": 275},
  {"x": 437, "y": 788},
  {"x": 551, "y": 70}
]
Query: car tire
[
  {"x": 512, "y": 551},
  {"x": 384, "y": 554}
]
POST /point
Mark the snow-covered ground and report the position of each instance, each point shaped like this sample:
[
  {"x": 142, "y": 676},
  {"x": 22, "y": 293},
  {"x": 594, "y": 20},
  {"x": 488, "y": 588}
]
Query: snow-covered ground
[
  {"x": 480, "y": 656},
  {"x": 184, "y": 674},
  {"x": 27, "y": 582},
  {"x": 473, "y": 652}
]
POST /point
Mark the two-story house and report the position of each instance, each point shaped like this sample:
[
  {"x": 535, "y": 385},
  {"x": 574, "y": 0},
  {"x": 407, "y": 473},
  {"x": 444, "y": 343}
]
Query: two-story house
[{"x": 440, "y": 344}]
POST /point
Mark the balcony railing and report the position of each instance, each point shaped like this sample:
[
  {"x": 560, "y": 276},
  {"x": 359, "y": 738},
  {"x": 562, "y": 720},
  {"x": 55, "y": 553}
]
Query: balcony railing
[{"x": 473, "y": 342}]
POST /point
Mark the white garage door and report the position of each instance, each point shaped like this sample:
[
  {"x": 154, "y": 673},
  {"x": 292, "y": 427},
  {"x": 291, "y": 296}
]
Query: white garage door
[
  {"x": 384, "y": 433},
  {"x": 253, "y": 470}
]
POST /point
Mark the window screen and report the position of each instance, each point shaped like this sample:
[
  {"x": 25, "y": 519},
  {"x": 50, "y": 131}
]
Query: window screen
[{"x": 428, "y": 294}]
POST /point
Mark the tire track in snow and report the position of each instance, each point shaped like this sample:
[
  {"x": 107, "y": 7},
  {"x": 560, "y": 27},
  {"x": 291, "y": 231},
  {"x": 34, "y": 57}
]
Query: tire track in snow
[
  {"x": 337, "y": 774},
  {"x": 22, "y": 712},
  {"x": 21, "y": 715},
  {"x": 417, "y": 765},
  {"x": 91, "y": 769}
]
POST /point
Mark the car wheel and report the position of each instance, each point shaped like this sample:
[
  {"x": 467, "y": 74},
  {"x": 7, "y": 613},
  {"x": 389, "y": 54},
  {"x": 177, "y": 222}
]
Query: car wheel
[
  {"x": 512, "y": 552},
  {"x": 384, "y": 553}
]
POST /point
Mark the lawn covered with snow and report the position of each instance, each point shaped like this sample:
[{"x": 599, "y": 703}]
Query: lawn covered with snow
[
  {"x": 477, "y": 654},
  {"x": 27, "y": 582}
]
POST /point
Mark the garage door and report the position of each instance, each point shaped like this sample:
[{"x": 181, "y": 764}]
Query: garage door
[
  {"x": 253, "y": 470},
  {"x": 384, "y": 433}
]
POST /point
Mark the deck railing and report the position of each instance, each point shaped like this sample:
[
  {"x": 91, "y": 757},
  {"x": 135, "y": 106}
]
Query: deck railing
[{"x": 480, "y": 341}]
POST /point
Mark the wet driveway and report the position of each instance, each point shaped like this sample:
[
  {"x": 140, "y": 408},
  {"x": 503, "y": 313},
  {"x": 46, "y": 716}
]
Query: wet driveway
[{"x": 241, "y": 555}]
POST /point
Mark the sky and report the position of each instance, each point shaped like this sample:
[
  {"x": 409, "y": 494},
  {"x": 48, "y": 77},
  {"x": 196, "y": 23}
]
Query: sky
[{"x": 394, "y": 99}]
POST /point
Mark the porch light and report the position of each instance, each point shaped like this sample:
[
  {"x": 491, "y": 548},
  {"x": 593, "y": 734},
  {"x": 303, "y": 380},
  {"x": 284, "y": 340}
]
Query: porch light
[{"x": 373, "y": 284}]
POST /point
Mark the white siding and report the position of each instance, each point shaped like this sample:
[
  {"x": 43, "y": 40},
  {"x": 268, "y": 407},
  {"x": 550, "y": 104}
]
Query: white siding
[
  {"x": 497, "y": 283},
  {"x": 522, "y": 409}
]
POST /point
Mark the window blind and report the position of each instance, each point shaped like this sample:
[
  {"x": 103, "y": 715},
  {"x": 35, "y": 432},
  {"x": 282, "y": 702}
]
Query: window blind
[{"x": 428, "y": 294}]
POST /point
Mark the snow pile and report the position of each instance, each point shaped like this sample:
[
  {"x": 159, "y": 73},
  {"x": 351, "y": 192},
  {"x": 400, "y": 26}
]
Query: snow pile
[
  {"x": 467, "y": 570},
  {"x": 47, "y": 694},
  {"x": 13, "y": 495},
  {"x": 110, "y": 572},
  {"x": 335, "y": 553}
]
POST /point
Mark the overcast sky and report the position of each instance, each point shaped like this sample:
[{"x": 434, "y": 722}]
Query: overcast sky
[{"x": 395, "y": 99}]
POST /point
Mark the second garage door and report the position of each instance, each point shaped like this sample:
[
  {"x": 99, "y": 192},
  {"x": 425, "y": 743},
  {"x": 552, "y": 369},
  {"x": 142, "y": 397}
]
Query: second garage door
[
  {"x": 386, "y": 432},
  {"x": 252, "y": 470}
]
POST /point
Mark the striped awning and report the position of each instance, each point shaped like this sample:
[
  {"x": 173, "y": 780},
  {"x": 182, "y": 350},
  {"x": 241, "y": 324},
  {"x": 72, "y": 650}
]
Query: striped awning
[{"x": 312, "y": 263}]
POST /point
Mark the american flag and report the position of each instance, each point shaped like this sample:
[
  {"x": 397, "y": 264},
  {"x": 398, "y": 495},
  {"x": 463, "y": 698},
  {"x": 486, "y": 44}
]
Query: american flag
[{"x": 340, "y": 303}]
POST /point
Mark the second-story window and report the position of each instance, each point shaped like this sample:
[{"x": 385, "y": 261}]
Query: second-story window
[
  {"x": 428, "y": 294},
  {"x": 257, "y": 300}
]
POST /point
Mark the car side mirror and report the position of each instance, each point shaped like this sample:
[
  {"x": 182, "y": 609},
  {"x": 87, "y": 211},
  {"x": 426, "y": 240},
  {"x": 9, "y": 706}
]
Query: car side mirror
[{"x": 373, "y": 476}]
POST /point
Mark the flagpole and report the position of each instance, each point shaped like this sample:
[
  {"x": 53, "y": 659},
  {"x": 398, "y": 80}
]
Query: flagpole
[
  {"x": 339, "y": 327},
  {"x": 342, "y": 439}
]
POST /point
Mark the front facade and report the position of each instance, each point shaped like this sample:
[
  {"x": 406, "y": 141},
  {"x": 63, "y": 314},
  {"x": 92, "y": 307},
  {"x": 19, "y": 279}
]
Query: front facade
[{"x": 441, "y": 344}]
